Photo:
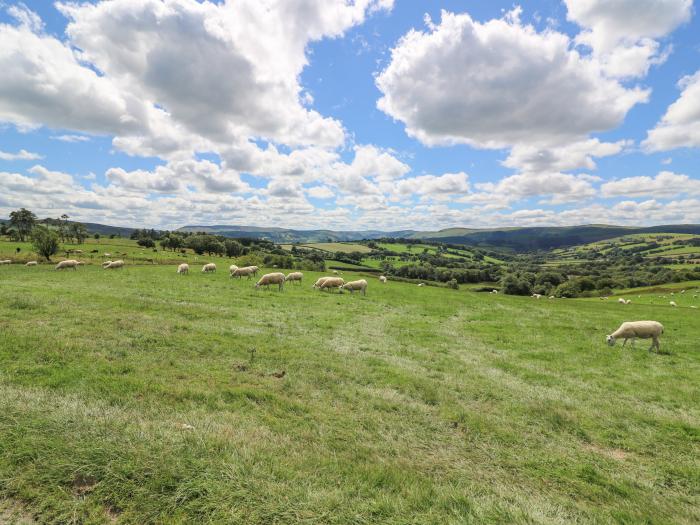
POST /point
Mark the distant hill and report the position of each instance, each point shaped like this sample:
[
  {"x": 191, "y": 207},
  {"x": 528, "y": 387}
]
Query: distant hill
[
  {"x": 283, "y": 235},
  {"x": 543, "y": 238},
  {"x": 519, "y": 239}
]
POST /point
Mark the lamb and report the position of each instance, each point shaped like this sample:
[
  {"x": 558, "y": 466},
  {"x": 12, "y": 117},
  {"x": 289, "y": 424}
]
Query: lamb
[
  {"x": 382, "y": 279},
  {"x": 114, "y": 265},
  {"x": 637, "y": 329},
  {"x": 31, "y": 263},
  {"x": 183, "y": 269},
  {"x": 295, "y": 276},
  {"x": 232, "y": 269},
  {"x": 673, "y": 303},
  {"x": 332, "y": 282},
  {"x": 246, "y": 270},
  {"x": 354, "y": 286},
  {"x": 209, "y": 268},
  {"x": 69, "y": 263},
  {"x": 271, "y": 278}
]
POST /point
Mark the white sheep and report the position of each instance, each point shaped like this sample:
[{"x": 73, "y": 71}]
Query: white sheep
[
  {"x": 295, "y": 276},
  {"x": 254, "y": 269},
  {"x": 628, "y": 301},
  {"x": 637, "y": 329},
  {"x": 32, "y": 263},
  {"x": 537, "y": 296},
  {"x": 354, "y": 286},
  {"x": 682, "y": 291},
  {"x": 494, "y": 291},
  {"x": 114, "y": 265},
  {"x": 335, "y": 272},
  {"x": 382, "y": 279},
  {"x": 108, "y": 254},
  {"x": 106, "y": 263},
  {"x": 69, "y": 263},
  {"x": 621, "y": 301},
  {"x": 332, "y": 282},
  {"x": 209, "y": 268},
  {"x": 551, "y": 297},
  {"x": 246, "y": 270},
  {"x": 232, "y": 269},
  {"x": 673, "y": 303},
  {"x": 694, "y": 307},
  {"x": 183, "y": 269},
  {"x": 6, "y": 261},
  {"x": 421, "y": 284},
  {"x": 319, "y": 282},
  {"x": 271, "y": 278}
]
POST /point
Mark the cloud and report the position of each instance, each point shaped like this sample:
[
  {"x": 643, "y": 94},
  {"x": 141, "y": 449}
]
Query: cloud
[
  {"x": 680, "y": 125},
  {"x": 498, "y": 84},
  {"x": 22, "y": 154},
  {"x": 621, "y": 33},
  {"x": 559, "y": 187},
  {"x": 70, "y": 138},
  {"x": 448, "y": 185},
  {"x": 577, "y": 155},
  {"x": 665, "y": 184},
  {"x": 320, "y": 192}
]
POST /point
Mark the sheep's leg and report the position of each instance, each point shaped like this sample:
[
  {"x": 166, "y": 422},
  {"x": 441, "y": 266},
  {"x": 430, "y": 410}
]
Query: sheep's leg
[{"x": 624, "y": 342}]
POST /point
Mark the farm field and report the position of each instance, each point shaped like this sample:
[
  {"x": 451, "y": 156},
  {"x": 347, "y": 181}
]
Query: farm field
[
  {"x": 342, "y": 247},
  {"x": 139, "y": 396}
]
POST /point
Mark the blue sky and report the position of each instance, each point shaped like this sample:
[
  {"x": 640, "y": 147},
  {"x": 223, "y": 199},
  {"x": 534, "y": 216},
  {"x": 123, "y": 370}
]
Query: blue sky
[{"x": 364, "y": 114}]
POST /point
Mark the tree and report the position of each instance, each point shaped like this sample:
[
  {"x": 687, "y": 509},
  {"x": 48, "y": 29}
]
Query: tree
[
  {"x": 63, "y": 227},
  {"x": 97, "y": 237},
  {"x": 45, "y": 241},
  {"x": 78, "y": 232},
  {"x": 22, "y": 221},
  {"x": 146, "y": 242}
]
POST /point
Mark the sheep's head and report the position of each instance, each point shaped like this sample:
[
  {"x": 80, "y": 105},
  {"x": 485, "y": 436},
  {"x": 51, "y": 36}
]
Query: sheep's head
[{"x": 610, "y": 340}]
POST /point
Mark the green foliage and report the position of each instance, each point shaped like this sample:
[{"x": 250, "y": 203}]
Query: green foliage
[
  {"x": 22, "y": 221},
  {"x": 45, "y": 241}
]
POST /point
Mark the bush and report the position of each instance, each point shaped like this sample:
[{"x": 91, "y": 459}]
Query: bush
[
  {"x": 45, "y": 241},
  {"x": 452, "y": 283}
]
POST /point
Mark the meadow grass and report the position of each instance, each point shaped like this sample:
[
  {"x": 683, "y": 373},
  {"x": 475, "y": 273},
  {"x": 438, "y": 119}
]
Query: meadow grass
[{"x": 140, "y": 396}]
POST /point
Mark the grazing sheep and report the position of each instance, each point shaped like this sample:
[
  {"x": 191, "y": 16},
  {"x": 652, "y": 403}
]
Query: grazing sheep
[
  {"x": 673, "y": 303},
  {"x": 246, "y": 270},
  {"x": 493, "y": 291},
  {"x": 551, "y": 297},
  {"x": 271, "y": 278},
  {"x": 628, "y": 301},
  {"x": 621, "y": 301},
  {"x": 673, "y": 293},
  {"x": 183, "y": 269},
  {"x": 694, "y": 307},
  {"x": 637, "y": 329},
  {"x": 382, "y": 279},
  {"x": 70, "y": 263},
  {"x": 31, "y": 263},
  {"x": 6, "y": 261},
  {"x": 209, "y": 268},
  {"x": 682, "y": 291},
  {"x": 295, "y": 276},
  {"x": 335, "y": 272},
  {"x": 332, "y": 282},
  {"x": 354, "y": 286},
  {"x": 319, "y": 282},
  {"x": 114, "y": 265},
  {"x": 232, "y": 269},
  {"x": 106, "y": 263},
  {"x": 108, "y": 254},
  {"x": 537, "y": 296},
  {"x": 421, "y": 284}
]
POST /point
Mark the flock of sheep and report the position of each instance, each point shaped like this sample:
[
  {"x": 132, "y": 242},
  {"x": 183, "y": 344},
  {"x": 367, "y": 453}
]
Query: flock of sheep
[
  {"x": 629, "y": 330},
  {"x": 279, "y": 279}
]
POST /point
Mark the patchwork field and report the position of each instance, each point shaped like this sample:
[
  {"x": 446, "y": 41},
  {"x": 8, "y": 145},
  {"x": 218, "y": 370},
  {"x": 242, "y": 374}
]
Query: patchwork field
[{"x": 139, "y": 396}]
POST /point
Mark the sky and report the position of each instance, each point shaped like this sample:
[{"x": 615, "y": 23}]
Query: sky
[{"x": 351, "y": 114}]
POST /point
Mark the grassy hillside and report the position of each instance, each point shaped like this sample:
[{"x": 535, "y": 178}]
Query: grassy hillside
[{"x": 139, "y": 396}]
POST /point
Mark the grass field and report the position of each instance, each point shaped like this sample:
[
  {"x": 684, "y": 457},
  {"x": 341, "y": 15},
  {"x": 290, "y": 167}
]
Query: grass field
[{"x": 134, "y": 396}]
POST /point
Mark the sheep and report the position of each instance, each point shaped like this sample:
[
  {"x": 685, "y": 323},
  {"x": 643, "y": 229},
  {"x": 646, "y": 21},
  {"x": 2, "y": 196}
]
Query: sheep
[
  {"x": 637, "y": 329},
  {"x": 694, "y": 307},
  {"x": 319, "y": 282},
  {"x": 421, "y": 284},
  {"x": 382, "y": 279},
  {"x": 353, "y": 286},
  {"x": 254, "y": 269},
  {"x": 246, "y": 270},
  {"x": 108, "y": 254},
  {"x": 271, "y": 278},
  {"x": 332, "y": 282},
  {"x": 232, "y": 269},
  {"x": 682, "y": 291},
  {"x": 6, "y": 261},
  {"x": 673, "y": 303},
  {"x": 494, "y": 291},
  {"x": 106, "y": 263},
  {"x": 114, "y": 265},
  {"x": 536, "y": 296},
  {"x": 183, "y": 269},
  {"x": 628, "y": 301},
  {"x": 551, "y": 297},
  {"x": 335, "y": 272},
  {"x": 31, "y": 263},
  {"x": 209, "y": 268},
  {"x": 673, "y": 293},
  {"x": 295, "y": 276},
  {"x": 621, "y": 301},
  {"x": 69, "y": 263}
]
